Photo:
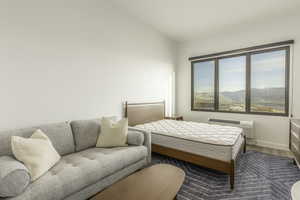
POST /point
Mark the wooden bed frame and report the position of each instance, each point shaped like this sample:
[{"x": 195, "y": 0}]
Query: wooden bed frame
[{"x": 139, "y": 113}]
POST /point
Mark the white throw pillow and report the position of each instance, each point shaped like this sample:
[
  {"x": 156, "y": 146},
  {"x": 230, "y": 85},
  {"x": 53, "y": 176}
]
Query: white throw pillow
[
  {"x": 37, "y": 153},
  {"x": 113, "y": 134},
  {"x": 113, "y": 119}
]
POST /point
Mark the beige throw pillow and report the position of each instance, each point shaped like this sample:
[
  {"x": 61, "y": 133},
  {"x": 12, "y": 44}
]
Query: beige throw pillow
[
  {"x": 37, "y": 153},
  {"x": 113, "y": 134}
]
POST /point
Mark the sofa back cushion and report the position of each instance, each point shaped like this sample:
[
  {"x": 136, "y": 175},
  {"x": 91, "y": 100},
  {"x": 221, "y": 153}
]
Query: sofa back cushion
[
  {"x": 85, "y": 133},
  {"x": 60, "y": 135}
]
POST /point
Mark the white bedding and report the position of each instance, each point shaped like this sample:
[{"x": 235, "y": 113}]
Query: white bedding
[
  {"x": 214, "y": 141},
  {"x": 194, "y": 131}
]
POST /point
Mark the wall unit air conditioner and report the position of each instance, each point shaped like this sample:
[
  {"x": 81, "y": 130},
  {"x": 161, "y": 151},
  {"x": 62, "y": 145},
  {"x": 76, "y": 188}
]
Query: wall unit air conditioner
[{"x": 247, "y": 126}]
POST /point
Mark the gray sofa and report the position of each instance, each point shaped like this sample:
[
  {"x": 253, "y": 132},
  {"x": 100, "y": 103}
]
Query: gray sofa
[{"x": 84, "y": 170}]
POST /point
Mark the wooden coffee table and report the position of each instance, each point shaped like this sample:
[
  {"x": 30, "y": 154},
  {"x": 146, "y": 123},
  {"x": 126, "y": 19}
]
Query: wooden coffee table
[{"x": 158, "y": 182}]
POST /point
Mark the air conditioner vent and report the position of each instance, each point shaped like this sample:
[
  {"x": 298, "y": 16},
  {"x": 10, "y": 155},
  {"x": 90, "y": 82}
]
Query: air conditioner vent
[{"x": 247, "y": 126}]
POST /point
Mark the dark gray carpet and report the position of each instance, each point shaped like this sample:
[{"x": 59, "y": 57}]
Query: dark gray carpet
[{"x": 258, "y": 176}]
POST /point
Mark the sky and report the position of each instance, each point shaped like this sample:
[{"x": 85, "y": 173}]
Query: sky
[
  {"x": 232, "y": 74},
  {"x": 267, "y": 70}
]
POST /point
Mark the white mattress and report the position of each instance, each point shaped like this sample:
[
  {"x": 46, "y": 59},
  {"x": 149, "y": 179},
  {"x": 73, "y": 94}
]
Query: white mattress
[{"x": 213, "y": 141}]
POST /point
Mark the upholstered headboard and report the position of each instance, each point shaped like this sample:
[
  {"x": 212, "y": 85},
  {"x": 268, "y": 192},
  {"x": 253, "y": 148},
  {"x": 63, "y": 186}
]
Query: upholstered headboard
[{"x": 140, "y": 113}]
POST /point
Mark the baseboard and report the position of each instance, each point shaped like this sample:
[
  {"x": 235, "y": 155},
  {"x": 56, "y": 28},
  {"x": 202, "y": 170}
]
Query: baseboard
[
  {"x": 251, "y": 141},
  {"x": 272, "y": 145}
]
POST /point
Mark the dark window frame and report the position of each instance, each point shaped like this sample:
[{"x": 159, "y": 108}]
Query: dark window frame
[{"x": 251, "y": 51}]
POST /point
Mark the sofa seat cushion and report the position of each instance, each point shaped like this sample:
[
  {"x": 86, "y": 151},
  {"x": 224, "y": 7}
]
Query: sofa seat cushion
[{"x": 79, "y": 170}]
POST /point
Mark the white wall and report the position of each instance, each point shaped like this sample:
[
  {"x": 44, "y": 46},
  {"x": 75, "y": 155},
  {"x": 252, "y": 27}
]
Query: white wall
[
  {"x": 73, "y": 59},
  {"x": 270, "y": 130}
]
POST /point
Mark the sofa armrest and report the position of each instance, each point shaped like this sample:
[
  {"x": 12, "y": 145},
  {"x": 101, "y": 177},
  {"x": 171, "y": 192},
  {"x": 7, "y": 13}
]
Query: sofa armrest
[
  {"x": 14, "y": 177},
  {"x": 147, "y": 140},
  {"x": 135, "y": 138}
]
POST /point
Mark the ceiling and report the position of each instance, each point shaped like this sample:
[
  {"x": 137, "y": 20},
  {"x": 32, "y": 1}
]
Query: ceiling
[{"x": 186, "y": 19}]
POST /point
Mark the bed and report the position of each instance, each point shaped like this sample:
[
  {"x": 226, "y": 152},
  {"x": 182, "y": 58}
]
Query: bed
[{"x": 213, "y": 146}]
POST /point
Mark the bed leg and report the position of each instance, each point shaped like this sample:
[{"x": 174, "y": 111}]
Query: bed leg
[
  {"x": 231, "y": 175},
  {"x": 245, "y": 144}
]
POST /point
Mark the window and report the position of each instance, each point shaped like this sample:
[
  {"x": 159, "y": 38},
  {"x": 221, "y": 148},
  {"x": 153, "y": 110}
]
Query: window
[
  {"x": 254, "y": 82},
  {"x": 268, "y": 82},
  {"x": 232, "y": 95},
  {"x": 204, "y": 76}
]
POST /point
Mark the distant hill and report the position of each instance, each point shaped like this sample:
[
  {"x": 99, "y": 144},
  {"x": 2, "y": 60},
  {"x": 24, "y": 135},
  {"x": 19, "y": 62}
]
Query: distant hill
[
  {"x": 236, "y": 96},
  {"x": 274, "y": 95},
  {"x": 266, "y": 95}
]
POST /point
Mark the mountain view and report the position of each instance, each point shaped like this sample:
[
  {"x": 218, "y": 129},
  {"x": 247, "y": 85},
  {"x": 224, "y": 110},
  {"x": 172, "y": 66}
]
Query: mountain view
[
  {"x": 268, "y": 77},
  {"x": 262, "y": 100}
]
